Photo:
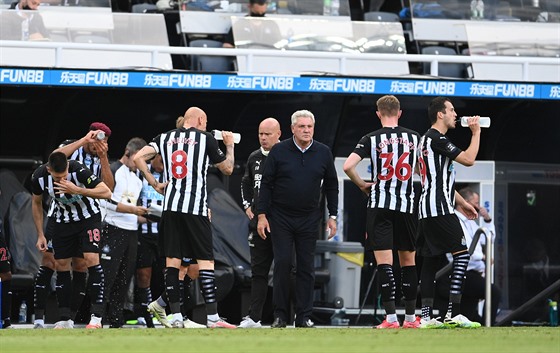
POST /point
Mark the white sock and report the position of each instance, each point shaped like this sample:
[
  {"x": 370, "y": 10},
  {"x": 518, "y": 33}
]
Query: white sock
[
  {"x": 161, "y": 302},
  {"x": 392, "y": 318},
  {"x": 39, "y": 321},
  {"x": 410, "y": 318},
  {"x": 214, "y": 317}
]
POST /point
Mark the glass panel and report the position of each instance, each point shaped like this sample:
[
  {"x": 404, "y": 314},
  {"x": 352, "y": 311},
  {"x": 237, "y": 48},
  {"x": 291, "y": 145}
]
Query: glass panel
[{"x": 318, "y": 35}]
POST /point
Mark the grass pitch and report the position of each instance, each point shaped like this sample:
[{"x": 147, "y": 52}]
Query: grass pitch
[{"x": 265, "y": 340}]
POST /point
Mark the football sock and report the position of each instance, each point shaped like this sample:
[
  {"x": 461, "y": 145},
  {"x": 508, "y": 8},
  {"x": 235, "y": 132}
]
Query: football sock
[
  {"x": 207, "y": 279},
  {"x": 409, "y": 287},
  {"x": 63, "y": 293},
  {"x": 96, "y": 289},
  {"x": 42, "y": 290},
  {"x": 171, "y": 278},
  {"x": 388, "y": 289},
  {"x": 460, "y": 263},
  {"x": 78, "y": 291}
]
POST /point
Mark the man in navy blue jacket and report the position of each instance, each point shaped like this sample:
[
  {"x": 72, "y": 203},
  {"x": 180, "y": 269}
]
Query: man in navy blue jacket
[{"x": 297, "y": 170}]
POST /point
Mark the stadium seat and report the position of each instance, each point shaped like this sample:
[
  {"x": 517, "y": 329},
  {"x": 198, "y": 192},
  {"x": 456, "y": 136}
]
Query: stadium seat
[
  {"x": 381, "y": 16},
  {"x": 209, "y": 63},
  {"x": 444, "y": 69}
]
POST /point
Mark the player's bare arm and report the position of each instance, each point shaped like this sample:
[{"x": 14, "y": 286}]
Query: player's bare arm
[
  {"x": 226, "y": 167},
  {"x": 37, "y": 211},
  {"x": 350, "y": 170},
  {"x": 468, "y": 157}
]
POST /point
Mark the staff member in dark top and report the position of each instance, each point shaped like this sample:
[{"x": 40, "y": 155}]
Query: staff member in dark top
[
  {"x": 261, "y": 249},
  {"x": 297, "y": 170}
]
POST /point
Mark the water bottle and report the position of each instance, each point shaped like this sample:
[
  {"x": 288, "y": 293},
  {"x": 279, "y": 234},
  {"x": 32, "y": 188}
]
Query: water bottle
[
  {"x": 484, "y": 121},
  {"x": 335, "y": 6},
  {"x": 218, "y": 136},
  {"x": 553, "y": 312},
  {"x": 326, "y": 7},
  {"x": 23, "y": 312},
  {"x": 100, "y": 136},
  {"x": 25, "y": 30}
]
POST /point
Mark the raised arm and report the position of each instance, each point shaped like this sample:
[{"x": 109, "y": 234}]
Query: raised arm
[
  {"x": 468, "y": 156},
  {"x": 226, "y": 167}
]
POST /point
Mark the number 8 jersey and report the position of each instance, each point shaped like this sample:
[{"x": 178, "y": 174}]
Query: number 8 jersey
[
  {"x": 392, "y": 154},
  {"x": 186, "y": 154}
]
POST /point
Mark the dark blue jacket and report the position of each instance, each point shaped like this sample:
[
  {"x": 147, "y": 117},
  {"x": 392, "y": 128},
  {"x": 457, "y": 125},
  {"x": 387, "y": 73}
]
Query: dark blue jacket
[{"x": 292, "y": 181}]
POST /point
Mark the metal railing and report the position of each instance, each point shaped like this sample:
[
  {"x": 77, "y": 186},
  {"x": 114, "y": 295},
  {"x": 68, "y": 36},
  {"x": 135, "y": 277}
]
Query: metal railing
[
  {"x": 488, "y": 271},
  {"x": 251, "y": 54}
]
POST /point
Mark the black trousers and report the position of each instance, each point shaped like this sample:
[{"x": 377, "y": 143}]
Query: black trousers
[
  {"x": 289, "y": 233},
  {"x": 261, "y": 260},
  {"x": 118, "y": 259}
]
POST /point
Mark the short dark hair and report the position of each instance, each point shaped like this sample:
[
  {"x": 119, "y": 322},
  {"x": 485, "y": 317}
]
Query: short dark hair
[
  {"x": 437, "y": 105},
  {"x": 257, "y": 2},
  {"x": 58, "y": 162}
]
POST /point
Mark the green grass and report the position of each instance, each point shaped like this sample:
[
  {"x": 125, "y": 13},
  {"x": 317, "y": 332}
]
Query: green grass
[{"x": 351, "y": 340}]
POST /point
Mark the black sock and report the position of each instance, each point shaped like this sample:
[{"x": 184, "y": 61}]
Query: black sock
[
  {"x": 78, "y": 291},
  {"x": 63, "y": 294},
  {"x": 171, "y": 277},
  {"x": 42, "y": 290},
  {"x": 6, "y": 302},
  {"x": 427, "y": 284},
  {"x": 409, "y": 287},
  {"x": 388, "y": 287},
  {"x": 207, "y": 284},
  {"x": 143, "y": 297},
  {"x": 96, "y": 288},
  {"x": 460, "y": 263}
]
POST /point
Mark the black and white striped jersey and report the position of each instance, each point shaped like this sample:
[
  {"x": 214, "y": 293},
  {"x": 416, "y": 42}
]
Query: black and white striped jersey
[
  {"x": 436, "y": 155},
  {"x": 149, "y": 196},
  {"x": 186, "y": 155},
  {"x": 392, "y": 154},
  {"x": 90, "y": 161},
  {"x": 68, "y": 208}
]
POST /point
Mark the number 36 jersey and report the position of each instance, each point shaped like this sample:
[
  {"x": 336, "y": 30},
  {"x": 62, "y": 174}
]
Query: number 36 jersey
[
  {"x": 392, "y": 154},
  {"x": 186, "y": 154}
]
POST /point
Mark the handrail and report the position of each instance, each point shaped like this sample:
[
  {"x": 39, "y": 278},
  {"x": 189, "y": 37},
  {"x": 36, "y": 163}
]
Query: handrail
[{"x": 249, "y": 54}]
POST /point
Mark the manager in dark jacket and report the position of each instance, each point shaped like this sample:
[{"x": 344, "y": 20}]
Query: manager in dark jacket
[{"x": 295, "y": 173}]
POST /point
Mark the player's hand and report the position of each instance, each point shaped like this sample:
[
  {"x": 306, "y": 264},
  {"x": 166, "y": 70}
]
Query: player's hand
[
  {"x": 227, "y": 136},
  {"x": 41, "y": 243},
  {"x": 474, "y": 124},
  {"x": 140, "y": 211},
  {"x": 468, "y": 210},
  {"x": 331, "y": 228},
  {"x": 64, "y": 186},
  {"x": 366, "y": 188},
  {"x": 160, "y": 187},
  {"x": 249, "y": 213},
  {"x": 262, "y": 226}
]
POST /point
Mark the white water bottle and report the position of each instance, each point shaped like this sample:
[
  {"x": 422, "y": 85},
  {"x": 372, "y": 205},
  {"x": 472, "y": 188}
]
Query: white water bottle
[
  {"x": 484, "y": 121},
  {"x": 218, "y": 136},
  {"x": 100, "y": 135},
  {"x": 23, "y": 312}
]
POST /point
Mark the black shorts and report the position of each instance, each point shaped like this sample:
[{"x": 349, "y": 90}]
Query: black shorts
[
  {"x": 147, "y": 253},
  {"x": 388, "y": 229},
  {"x": 76, "y": 238},
  {"x": 5, "y": 256},
  {"x": 440, "y": 235},
  {"x": 186, "y": 236}
]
